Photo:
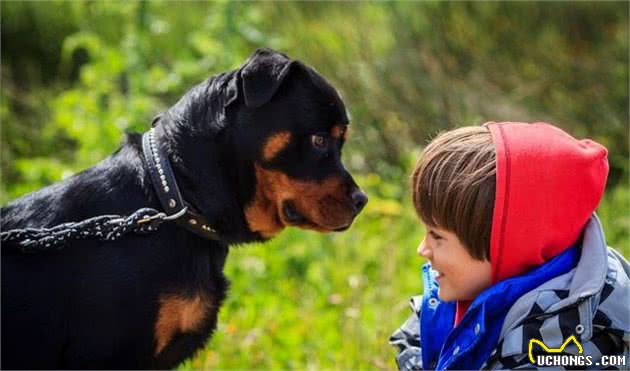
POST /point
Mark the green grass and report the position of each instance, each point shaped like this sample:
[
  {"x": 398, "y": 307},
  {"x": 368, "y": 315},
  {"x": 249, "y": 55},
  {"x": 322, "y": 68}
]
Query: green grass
[{"x": 312, "y": 301}]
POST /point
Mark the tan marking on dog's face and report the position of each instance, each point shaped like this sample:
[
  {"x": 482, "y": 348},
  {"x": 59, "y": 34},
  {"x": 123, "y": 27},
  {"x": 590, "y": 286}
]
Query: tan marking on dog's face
[
  {"x": 179, "y": 314},
  {"x": 325, "y": 204},
  {"x": 262, "y": 215},
  {"x": 275, "y": 144},
  {"x": 338, "y": 131}
]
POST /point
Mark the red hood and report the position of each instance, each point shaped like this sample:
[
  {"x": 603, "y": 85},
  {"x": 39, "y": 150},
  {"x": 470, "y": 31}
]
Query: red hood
[{"x": 548, "y": 185}]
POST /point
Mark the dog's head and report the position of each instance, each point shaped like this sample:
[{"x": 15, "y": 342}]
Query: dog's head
[{"x": 292, "y": 125}]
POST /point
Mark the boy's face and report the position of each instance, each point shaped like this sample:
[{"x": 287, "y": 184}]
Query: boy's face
[{"x": 460, "y": 276}]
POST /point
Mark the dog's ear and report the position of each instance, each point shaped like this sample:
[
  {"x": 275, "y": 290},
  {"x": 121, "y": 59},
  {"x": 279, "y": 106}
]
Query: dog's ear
[
  {"x": 262, "y": 75},
  {"x": 231, "y": 91}
]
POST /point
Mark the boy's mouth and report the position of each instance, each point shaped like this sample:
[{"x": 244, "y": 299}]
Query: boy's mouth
[{"x": 438, "y": 275}]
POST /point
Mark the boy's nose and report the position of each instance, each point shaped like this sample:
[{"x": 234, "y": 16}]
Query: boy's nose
[{"x": 423, "y": 250}]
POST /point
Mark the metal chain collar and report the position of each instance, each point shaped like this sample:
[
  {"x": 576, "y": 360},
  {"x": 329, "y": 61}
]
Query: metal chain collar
[{"x": 103, "y": 227}]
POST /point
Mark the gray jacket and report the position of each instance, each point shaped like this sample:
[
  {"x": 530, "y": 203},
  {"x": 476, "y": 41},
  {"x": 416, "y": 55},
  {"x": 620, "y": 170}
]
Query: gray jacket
[{"x": 590, "y": 302}]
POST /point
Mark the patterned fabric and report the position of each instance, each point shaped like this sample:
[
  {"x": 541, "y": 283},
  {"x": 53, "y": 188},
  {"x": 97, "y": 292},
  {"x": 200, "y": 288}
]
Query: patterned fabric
[
  {"x": 590, "y": 302},
  {"x": 407, "y": 339}
]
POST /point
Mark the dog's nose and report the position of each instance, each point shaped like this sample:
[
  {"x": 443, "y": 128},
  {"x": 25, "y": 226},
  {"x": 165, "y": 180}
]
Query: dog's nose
[{"x": 359, "y": 199}]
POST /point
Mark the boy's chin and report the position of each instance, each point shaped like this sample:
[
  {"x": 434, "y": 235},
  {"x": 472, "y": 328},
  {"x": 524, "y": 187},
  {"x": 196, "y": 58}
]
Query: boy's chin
[
  {"x": 448, "y": 295},
  {"x": 445, "y": 295}
]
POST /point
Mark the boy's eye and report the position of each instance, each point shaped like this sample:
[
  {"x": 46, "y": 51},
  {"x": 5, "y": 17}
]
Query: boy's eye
[{"x": 435, "y": 235}]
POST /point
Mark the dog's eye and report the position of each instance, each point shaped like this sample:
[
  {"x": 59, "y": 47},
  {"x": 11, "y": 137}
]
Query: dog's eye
[{"x": 319, "y": 141}]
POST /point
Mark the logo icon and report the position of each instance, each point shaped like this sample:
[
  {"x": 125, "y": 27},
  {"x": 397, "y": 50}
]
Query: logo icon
[{"x": 553, "y": 350}]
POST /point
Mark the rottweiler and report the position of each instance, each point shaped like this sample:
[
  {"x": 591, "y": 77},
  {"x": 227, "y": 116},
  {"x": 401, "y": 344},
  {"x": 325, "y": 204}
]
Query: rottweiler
[{"x": 253, "y": 151}]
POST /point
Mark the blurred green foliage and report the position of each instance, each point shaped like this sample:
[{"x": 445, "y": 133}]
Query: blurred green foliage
[{"x": 77, "y": 75}]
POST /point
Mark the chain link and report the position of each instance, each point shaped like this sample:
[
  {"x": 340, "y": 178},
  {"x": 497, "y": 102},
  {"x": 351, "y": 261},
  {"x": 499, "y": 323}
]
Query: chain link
[{"x": 104, "y": 228}]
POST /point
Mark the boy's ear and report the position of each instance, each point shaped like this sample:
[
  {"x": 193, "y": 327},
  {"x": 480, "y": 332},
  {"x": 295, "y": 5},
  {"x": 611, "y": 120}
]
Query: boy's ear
[{"x": 262, "y": 75}]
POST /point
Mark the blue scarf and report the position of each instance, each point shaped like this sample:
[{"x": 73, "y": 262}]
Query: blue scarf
[{"x": 468, "y": 346}]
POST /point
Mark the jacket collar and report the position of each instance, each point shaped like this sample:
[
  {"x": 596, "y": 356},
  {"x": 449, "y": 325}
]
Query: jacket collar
[
  {"x": 587, "y": 279},
  {"x": 590, "y": 272}
]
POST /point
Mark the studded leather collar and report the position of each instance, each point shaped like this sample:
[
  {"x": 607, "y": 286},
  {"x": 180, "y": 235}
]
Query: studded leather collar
[{"x": 167, "y": 191}]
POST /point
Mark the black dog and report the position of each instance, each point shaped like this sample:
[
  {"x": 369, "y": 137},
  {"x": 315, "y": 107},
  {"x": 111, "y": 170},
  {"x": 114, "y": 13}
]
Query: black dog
[{"x": 253, "y": 150}]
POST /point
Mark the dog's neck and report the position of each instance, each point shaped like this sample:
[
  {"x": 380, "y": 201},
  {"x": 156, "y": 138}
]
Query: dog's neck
[{"x": 207, "y": 167}]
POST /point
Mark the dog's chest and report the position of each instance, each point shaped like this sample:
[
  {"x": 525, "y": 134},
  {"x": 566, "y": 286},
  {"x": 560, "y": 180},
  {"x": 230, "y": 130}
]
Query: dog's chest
[
  {"x": 180, "y": 314},
  {"x": 191, "y": 291}
]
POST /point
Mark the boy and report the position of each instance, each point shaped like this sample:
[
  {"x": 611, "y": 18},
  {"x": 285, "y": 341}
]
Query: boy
[{"x": 515, "y": 253}]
